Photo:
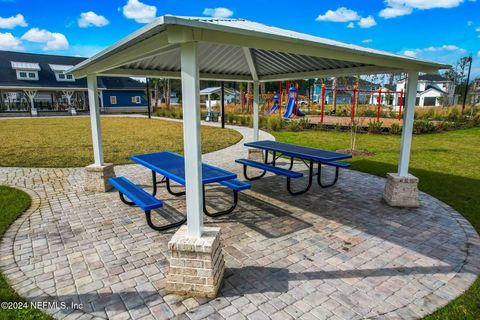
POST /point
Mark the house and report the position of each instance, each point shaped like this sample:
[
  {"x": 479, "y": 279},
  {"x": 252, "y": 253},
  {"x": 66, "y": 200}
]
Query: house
[
  {"x": 344, "y": 97},
  {"x": 433, "y": 91},
  {"x": 230, "y": 95},
  {"x": 474, "y": 92},
  {"x": 38, "y": 83}
]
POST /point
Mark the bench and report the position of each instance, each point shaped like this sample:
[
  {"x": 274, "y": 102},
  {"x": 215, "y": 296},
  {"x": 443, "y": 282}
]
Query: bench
[
  {"x": 335, "y": 164},
  {"x": 278, "y": 171},
  {"x": 236, "y": 186},
  {"x": 211, "y": 116},
  {"x": 266, "y": 167},
  {"x": 142, "y": 199}
]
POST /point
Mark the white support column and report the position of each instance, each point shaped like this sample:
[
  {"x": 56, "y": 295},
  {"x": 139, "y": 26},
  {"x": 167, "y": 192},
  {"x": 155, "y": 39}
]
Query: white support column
[
  {"x": 256, "y": 102},
  {"x": 401, "y": 189},
  {"x": 192, "y": 138},
  {"x": 408, "y": 118},
  {"x": 95, "y": 120}
]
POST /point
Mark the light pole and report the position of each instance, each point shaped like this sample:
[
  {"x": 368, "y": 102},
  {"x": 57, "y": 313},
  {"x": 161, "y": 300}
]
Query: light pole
[{"x": 469, "y": 59}]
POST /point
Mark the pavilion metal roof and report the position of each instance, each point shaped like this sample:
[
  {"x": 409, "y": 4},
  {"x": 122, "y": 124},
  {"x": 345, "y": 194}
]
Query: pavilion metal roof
[{"x": 238, "y": 49}]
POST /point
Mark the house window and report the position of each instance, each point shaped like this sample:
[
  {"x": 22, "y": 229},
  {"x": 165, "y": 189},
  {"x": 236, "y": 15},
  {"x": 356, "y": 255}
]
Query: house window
[
  {"x": 27, "y": 75},
  {"x": 64, "y": 77},
  {"x": 136, "y": 99},
  {"x": 113, "y": 99}
]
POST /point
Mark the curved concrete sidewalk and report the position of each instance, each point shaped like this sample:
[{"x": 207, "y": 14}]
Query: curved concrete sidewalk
[{"x": 337, "y": 253}]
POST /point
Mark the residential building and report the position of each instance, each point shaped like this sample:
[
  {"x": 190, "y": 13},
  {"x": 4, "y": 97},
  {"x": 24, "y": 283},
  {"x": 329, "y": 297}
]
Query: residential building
[
  {"x": 39, "y": 83},
  {"x": 474, "y": 92},
  {"x": 433, "y": 91},
  {"x": 344, "y": 97}
]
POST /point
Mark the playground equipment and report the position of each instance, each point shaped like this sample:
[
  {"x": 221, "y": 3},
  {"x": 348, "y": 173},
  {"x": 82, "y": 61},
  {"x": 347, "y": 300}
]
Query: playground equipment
[
  {"x": 292, "y": 104},
  {"x": 355, "y": 94},
  {"x": 276, "y": 104}
]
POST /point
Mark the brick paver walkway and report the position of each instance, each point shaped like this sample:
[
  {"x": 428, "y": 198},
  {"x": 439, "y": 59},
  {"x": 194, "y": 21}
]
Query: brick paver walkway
[{"x": 337, "y": 253}]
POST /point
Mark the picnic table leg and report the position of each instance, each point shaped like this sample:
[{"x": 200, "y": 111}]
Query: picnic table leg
[
  {"x": 259, "y": 176},
  {"x": 220, "y": 213},
  {"x": 291, "y": 163},
  {"x": 155, "y": 183},
  {"x": 319, "y": 177},
  {"x": 310, "y": 178},
  {"x": 122, "y": 197},
  {"x": 148, "y": 216},
  {"x": 169, "y": 189}
]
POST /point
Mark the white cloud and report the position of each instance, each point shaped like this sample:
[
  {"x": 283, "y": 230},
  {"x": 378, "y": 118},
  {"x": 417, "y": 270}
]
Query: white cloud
[
  {"x": 469, "y": 23},
  {"x": 218, "y": 12},
  {"x": 478, "y": 29},
  {"x": 478, "y": 53},
  {"x": 397, "y": 8},
  {"x": 59, "y": 42},
  {"x": 412, "y": 53},
  {"x": 445, "y": 48},
  {"x": 389, "y": 13},
  {"x": 342, "y": 14},
  {"x": 52, "y": 40},
  {"x": 91, "y": 19},
  {"x": 12, "y": 22},
  {"x": 351, "y": 25},
  {"x": 37, "y": 35},
  {"x": 367, "y": 22},
  {"x": 9, "y": 42},
  {"x": 367, "y": 41},
  {"x": 139, "y": 11}
]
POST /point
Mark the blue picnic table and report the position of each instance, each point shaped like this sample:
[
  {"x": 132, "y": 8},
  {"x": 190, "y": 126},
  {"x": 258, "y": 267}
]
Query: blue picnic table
[
  {"x": 309, "y": 156},
  {"x": 172, "y": 167}
]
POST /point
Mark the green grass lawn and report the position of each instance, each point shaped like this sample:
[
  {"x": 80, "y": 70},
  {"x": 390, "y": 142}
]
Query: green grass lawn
[
  {"x": 447, "y": 165},
  {"x": 13, "y": 203},
  {"x": 67, "y": 142}
]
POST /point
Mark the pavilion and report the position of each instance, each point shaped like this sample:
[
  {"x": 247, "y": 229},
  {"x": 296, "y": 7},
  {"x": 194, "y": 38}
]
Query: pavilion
[{"x": 194, "y": 49}]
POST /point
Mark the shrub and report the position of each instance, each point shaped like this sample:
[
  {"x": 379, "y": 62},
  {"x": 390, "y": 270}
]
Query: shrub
[
  {"x": 476, "y": 120},
  {"x": 293, "y": 125},
  {"x": 374, "y": 127},
  {"x": 274, "y": 123},
  {"x": 304, "y": 123},
  {"x": 395, "y": 128},
  {"x": 454, "y": 115},
  {"x": 242, "y": 121},
  {"x": 231, "y": 118},
  {"x": 423, "y": 126},
  {"x": 261, "y": 122}
]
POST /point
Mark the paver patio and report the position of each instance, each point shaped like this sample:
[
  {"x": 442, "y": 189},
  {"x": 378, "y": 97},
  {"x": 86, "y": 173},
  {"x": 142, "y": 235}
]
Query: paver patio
[{"x": 337, "y": 253}]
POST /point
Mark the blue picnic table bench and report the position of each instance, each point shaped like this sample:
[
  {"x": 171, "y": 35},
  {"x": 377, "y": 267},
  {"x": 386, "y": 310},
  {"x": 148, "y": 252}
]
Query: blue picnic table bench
[
  {"x": 309, "y": 156},
  {"x": 172, "y": 167}
]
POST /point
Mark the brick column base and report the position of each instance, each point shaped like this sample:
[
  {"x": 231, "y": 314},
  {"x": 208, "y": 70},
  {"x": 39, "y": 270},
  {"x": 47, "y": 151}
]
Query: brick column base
[
  {"x": 401, "y": 191},
  {"x": 96, "y": 177},
  {"x": 255, "y": 154},
  {"x": 196, "y": 265}
]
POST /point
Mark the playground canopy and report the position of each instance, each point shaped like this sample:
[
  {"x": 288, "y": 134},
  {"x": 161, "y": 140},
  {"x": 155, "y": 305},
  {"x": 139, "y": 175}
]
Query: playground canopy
[{"x": 235, "y": 50}]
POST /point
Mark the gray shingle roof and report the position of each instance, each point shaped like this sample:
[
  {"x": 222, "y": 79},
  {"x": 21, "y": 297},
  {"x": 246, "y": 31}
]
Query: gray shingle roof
[{"x": 47, "y": 79}]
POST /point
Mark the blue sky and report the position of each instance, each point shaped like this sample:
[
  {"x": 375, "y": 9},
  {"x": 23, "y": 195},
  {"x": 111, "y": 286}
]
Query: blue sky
[{"x": 439, "y": 30}]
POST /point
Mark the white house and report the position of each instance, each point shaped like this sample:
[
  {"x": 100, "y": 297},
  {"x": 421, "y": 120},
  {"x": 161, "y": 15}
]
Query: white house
[
  {"x": 230, "y": 95},
  {"x": 475, "y": 92},
  {"x": 431, "y": 91}
]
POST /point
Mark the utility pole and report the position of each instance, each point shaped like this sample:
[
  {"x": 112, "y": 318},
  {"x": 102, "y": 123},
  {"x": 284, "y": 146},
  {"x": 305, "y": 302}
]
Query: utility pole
[
  {"x": 469, "y": 59},
  {"x": 223, "y": 104}
]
